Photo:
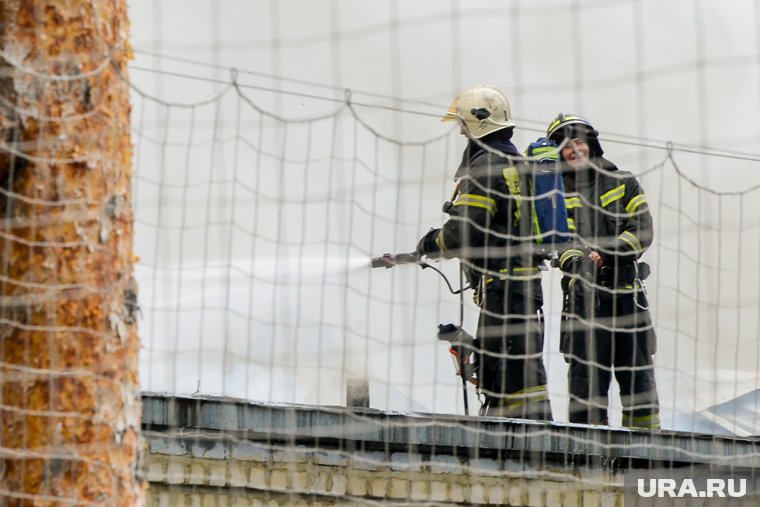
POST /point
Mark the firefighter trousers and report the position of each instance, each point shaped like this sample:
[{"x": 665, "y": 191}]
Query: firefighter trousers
[
  {"x": 512, "y": 374},
  {"x": 614, "y": 337}
]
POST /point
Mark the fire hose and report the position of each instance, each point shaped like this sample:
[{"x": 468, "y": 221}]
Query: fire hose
[{"x": 461, "y": 344}]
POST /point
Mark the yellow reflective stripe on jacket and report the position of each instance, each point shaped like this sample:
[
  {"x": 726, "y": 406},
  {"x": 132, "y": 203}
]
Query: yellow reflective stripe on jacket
[
  {"x": 631, "y": 239},
  {"x": 520, "y": 273},
  {"x": 512, "y": 179},
  {"x": 526, "y": 273},
  {"x": 572, "y": 202},
  {"x": 651, "y": 421},
  {"x": 571, "y": 223},
  {"x": 613, "y": 195},
  {"x": 635, "y": 203},
  {"x": 440, "y": 242},
  {"x": 536, "y": 224},
  {"x": 633, "y": 287},
  {"x": 477, "y": 201},
  {"x": 527, "y": 395},
  {"x": 569, "y": 254}
]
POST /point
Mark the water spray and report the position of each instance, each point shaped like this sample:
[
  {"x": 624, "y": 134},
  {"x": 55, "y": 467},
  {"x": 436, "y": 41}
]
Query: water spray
[{"x": 461, "y": 344}]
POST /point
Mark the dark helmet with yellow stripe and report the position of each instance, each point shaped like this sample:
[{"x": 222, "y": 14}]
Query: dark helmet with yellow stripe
[{"x": 571, "y": 126}]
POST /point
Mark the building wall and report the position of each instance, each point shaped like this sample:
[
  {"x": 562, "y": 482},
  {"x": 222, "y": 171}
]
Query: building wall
[
  {"x": 210, "y": 452},
  {"x": 192, "y": 473}
]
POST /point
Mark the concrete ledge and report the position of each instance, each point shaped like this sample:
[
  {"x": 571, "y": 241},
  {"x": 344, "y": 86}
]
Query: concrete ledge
[{"x": 475, "y": 437}]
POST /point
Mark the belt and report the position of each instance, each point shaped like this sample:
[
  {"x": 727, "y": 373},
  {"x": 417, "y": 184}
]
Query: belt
[{"x": 627, "y": 274}]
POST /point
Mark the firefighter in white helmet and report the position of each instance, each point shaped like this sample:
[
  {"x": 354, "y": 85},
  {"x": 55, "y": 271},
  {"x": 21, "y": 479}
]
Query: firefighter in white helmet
[
  {"x": 480, "y": 111},
  {"x": 606, "y": 328},
  {"x": 489, "y": 230}
]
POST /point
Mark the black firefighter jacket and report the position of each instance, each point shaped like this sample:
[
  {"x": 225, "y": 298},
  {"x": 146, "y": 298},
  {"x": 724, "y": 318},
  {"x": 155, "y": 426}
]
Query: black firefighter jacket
[
  {"x": 490, "y": 224},
  {"x": 608, "y": 213}
]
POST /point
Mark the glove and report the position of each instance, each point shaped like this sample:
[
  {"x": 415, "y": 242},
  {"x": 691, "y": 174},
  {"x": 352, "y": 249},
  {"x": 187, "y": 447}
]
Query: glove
[
  {"x": 581, "y": 265},
  {"x": 427, "y": 247}
]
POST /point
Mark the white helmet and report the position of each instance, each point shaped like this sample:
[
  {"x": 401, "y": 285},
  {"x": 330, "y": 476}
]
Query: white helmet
[{"x": 482, "y": 109}]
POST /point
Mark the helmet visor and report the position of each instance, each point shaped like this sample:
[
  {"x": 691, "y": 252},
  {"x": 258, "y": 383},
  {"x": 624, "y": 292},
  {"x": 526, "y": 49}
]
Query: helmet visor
[{"x": 453, "y": 112}]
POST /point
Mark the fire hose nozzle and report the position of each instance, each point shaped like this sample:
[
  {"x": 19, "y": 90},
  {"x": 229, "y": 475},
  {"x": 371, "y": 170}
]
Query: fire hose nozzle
[{"x": 388, "y": 260}]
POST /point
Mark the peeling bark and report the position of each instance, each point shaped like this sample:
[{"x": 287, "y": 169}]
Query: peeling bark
[{"x": 69, "y": 391}]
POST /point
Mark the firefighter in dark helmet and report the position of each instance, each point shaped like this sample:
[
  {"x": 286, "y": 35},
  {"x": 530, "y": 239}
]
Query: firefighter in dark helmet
[
  {"x": 607, "y": 327},
  {"x": 489, "y": 230}
]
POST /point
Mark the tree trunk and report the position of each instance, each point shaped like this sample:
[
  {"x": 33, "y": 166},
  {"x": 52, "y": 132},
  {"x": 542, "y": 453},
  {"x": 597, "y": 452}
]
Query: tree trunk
[{"x": 69, "y": 391}]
